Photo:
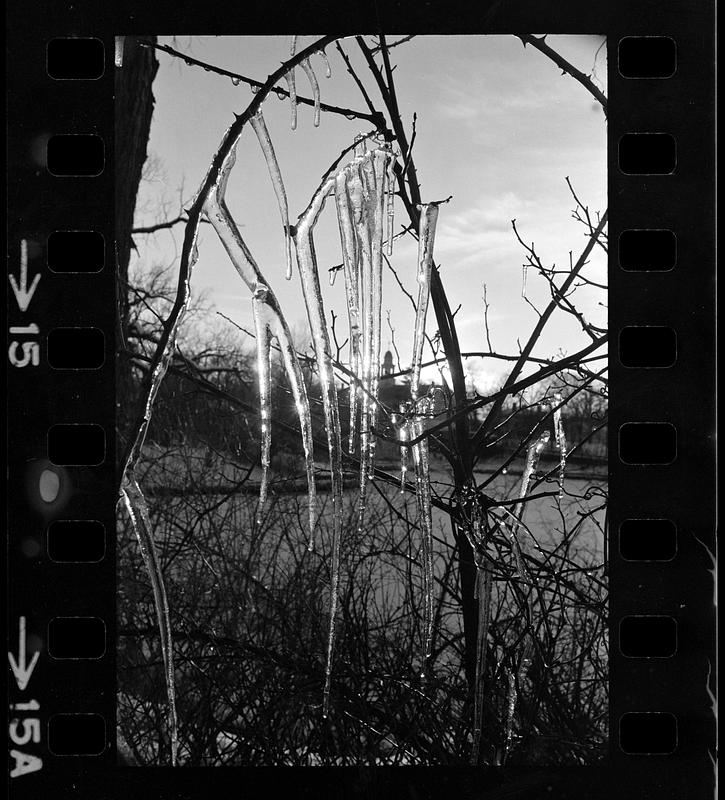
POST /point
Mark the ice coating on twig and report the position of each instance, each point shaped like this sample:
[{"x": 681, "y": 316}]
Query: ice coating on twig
[
  {"x": 426, "y": 238},
  {"x": 135, "y": 503},
  {"x": 328, "y": 68},
  {"x": 218, "y": 214},
  {"x": 560, "y": 439},
  {"x": 307, "y": 264},
  {"x": 315, "y": 86},
  {"x": 291, "y": 88},
  {"x": 260, "y": 129},
  {"x": 390, "y": 204}
]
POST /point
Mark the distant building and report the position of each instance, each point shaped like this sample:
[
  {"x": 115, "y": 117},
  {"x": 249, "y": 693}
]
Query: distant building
[
  {"x": 391, "y": 393},
  {"x": 388, "y": 368}
]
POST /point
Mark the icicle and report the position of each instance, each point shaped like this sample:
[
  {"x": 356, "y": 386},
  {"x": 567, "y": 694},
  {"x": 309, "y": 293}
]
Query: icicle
[
  {"x": 403, "y": 436},
  {"x": 517, "y": 513},
  {"x": 532, "y": 460},
  {"x": 523, "y": 279},
  {"x": 138, "y": 512},
  {"x": 420, "y": 408},
  {"x": 307, "y": 264},
  {"x": 560, "y": 438},
  {"x": 290, "y": 79},
  {"x": 423, "y": 495},
  {"x": 235, "y": 81},
  {"x": 357, "y": 180},
  {"x": 376, "y": 217},
  {"x": 307, "y": 69},
  {"x": 328, "y": 68},
  {"x": 360, "y": 148},
  {"x": 243, "y": 261},
  {"x": 264, "y": 375},
  {"x": 510, "y": 708},
  {"x": 365, "y": 186},
  {"x": 390, "y": 203},
  {"x": 482, "y": 592},
  {"x": 260, "y": 128},
  {"x": 299, "y": 393},
  {"x": 426, "y": 237},
  {"x": 352, "y": 291}
]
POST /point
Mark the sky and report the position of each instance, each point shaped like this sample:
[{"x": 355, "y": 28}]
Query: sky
[{"x": 498, "y": 127}]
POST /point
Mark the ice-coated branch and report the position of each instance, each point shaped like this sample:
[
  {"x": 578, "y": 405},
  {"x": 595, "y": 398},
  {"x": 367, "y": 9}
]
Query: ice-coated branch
[
  {"x": 164, "y": 351},
  {"x": 135, "y": 503},
  {"x": 374, "y": 118},
  {"x": 269, "y": 323}
]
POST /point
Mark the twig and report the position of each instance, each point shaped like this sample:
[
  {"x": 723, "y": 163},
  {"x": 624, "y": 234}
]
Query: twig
[
  {"x": 565, "y": 66},
  {"x": 161, "y": 226},
  {"x": 373, "y": 117}
]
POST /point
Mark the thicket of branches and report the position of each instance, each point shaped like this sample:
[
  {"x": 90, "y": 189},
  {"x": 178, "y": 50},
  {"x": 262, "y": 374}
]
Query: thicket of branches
[{"x": 518, "y": 671}]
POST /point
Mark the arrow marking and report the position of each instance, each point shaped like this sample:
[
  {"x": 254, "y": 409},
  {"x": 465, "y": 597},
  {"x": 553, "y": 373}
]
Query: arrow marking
[
  {"x": 21, "y": 671},
  {"x": 23, "y": 294}
]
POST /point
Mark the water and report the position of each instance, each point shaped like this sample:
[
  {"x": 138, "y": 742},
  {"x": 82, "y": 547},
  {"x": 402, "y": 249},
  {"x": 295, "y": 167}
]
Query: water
[{"x": 228, "y": 577}]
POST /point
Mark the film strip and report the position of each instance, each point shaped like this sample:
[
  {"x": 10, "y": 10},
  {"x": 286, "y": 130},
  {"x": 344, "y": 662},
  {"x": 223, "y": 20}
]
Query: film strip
[{"x": 62, "y": 339}]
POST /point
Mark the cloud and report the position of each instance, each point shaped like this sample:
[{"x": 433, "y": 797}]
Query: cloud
[
  {"x": 481, "y": 231},
  {"x": 459, "y": 110}
]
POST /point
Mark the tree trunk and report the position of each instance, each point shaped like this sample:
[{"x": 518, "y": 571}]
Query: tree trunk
[{"x": 133, "y": 106}]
